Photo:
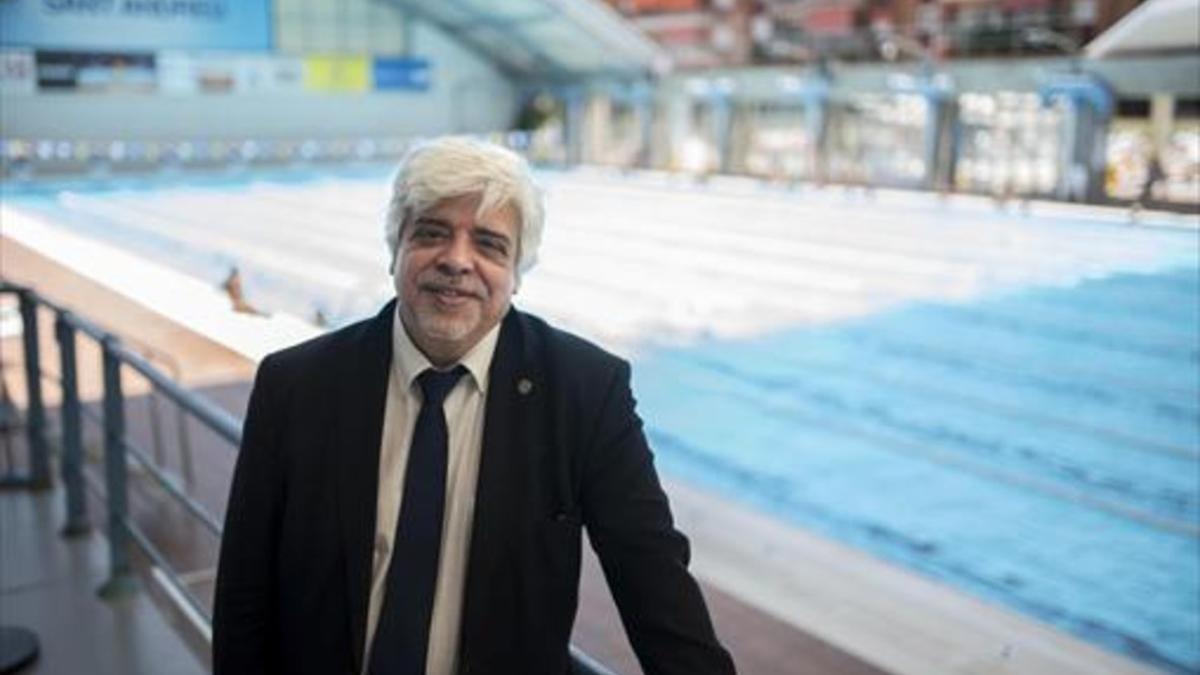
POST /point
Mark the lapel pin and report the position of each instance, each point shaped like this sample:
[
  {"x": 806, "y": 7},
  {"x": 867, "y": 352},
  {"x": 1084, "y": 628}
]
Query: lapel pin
[{"x": 524, "y": 386}]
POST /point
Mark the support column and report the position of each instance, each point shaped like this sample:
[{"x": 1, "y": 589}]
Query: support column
[
  {"x": 678, "y": 123},
  {"x": 721, "y": 129},
  {"x": 940, "y": 130},
  {"x": 941, "y": 139},
  {"x": 744, "y": 119},
  {"x": 813, "y": 93},
  {"x": 1162, "y": 120},
  {"x": 597, "y": 128},
  {"x": 573, "y": 122},
  {"x": 642, "y": 100},
  {"x": 1089, "y": 105}
]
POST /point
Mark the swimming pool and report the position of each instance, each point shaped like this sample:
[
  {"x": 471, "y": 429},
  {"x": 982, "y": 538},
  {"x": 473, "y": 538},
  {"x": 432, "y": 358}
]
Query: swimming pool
[
  {"x": 1006, "y": 402},
  {"x": 980, "y": 445}
]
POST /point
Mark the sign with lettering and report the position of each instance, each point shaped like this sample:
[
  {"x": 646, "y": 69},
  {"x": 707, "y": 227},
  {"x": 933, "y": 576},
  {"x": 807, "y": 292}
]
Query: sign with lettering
[
  {"x": 186, "y": 73},
  {"x": 96, "y": 72},
  {"x": 136, "y": 24},
  {"x": 396, "y": 74},
  {"x": 18, "y": 72},
  {"x": 337, "y": 73}
]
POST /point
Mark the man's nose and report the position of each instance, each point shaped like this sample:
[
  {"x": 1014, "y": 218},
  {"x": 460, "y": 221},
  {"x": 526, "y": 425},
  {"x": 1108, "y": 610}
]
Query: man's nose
[{"x": 455, "y": 258}]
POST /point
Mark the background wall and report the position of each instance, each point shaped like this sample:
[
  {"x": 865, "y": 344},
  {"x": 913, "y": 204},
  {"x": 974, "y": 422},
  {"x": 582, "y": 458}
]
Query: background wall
[{"x": 465, "y": 93}]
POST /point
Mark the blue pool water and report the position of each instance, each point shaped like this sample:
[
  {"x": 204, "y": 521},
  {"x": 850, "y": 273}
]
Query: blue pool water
[{"x": 1039, "y": 449}]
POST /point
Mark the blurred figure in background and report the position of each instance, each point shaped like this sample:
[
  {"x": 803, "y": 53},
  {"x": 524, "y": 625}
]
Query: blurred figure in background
[
  {"x": 232, "y": 285},
  {"x": 1154, "y": 176}
]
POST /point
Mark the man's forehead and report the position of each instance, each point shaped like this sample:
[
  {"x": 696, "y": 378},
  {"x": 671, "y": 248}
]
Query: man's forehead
[{"x": 502, "y": 219}]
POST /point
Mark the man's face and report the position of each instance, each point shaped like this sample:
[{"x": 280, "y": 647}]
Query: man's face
[{"x": 455, "y": 275}]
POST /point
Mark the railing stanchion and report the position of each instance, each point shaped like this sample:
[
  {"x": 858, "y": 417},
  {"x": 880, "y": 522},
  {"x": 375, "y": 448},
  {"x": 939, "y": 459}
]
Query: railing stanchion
[
  {"x": 35, "y": 416},
  {"x": 71, "y": 468},
  {"x": 120, "y": 581}
]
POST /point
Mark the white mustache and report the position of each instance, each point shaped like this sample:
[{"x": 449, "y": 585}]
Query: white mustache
[{"x": 438, "y": 282}]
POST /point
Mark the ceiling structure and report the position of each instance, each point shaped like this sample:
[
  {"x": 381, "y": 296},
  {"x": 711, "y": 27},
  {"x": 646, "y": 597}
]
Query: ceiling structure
[
  {"x": 1153, "y": 26},
  {"x": 545, "y": 40}
]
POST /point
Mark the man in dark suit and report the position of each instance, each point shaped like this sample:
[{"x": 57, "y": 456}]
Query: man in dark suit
[{"x": 410, "y": 490}]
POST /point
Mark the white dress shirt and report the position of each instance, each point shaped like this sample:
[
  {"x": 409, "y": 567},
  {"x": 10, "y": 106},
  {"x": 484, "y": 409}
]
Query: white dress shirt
[{"x": 464, "y": 409}]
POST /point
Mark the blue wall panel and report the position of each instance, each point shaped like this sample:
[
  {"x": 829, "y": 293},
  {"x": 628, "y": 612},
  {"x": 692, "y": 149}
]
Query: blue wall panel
[{"x": 136, "y": 24}]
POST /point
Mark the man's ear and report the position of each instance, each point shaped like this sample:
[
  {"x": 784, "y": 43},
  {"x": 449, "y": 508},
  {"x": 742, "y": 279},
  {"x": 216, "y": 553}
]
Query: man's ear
[
  {"x": 396, "y": 253},
  {"x": 399, "y": 245}
]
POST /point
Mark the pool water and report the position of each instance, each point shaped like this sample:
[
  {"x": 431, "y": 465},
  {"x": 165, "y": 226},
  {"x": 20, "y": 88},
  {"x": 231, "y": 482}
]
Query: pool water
[{"x": 1006, "y": 447}]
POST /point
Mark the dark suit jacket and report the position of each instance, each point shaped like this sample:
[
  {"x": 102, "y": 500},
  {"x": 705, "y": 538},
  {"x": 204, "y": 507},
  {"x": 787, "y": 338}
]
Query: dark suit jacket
[{"x": 295, "y": 567}]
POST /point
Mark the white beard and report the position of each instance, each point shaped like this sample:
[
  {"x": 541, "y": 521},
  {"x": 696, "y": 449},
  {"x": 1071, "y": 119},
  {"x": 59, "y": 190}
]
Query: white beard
[{"x": 445, "y": 328}]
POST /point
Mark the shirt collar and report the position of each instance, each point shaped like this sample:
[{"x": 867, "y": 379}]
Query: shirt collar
[{"x": 409, "y": 362}]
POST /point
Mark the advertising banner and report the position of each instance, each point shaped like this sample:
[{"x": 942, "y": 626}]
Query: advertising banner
[
  {"x": 136, "y": 24},
  {"x": 18, "y": 72},
  {"x": 176, "y": 73},
  {"x": 392, "y": 74},
  {"x": 337, "y": 73},
  {"x": 184, "y": 73},
  {"x": 96, "y": 72},
  {"x": 270, "y": 74}
]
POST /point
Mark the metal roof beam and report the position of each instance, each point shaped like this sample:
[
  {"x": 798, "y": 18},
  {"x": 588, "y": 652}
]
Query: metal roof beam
[
  {"x": 414, "y": 10},
  {"x": 507, "y": 21},
  {"x": 500, "y": 23},
  {"x": 606, "y": 31}
]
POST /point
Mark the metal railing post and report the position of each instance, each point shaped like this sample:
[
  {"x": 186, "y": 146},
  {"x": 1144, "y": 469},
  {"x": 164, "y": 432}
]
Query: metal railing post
[
  {"x": 71, "y": 468},
  {"x": 35, "y": 411},
  {"x": 120, "y": 581}
]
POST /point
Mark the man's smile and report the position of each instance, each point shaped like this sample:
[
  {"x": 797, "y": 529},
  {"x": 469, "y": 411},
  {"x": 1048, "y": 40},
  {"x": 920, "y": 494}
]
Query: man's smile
[{"x": 448, "y": 295}]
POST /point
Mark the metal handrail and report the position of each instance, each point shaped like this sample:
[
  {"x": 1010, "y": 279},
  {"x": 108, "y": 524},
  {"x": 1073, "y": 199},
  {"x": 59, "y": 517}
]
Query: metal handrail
[
  {"x": 171, "y": 364},
  {"x": 121, "y": 529},
  {"x": 214, "y": 417}
]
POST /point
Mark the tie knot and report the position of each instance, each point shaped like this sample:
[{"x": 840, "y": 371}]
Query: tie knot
[{"x": 436, "y": 384}]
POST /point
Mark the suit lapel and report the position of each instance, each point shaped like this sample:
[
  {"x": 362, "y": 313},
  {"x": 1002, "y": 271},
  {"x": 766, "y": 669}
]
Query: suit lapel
[
  {"x": 362, "y": 399},
  {"x": 494, "y": 498}
]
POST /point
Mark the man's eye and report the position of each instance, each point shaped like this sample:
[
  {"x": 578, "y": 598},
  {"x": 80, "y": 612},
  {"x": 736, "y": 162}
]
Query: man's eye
[
  {"x": 426, "y": 233},
  {"x": 494, "y": 246}
]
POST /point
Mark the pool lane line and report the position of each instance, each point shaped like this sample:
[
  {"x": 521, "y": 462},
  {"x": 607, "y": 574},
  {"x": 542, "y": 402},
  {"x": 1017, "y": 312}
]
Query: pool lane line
[
  {"x": 897, "y": 444},
  {"x": 848, "y": 371}
]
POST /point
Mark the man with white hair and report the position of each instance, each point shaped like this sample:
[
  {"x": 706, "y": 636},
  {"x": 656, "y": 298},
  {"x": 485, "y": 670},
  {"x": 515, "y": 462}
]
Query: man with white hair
[{"x": 410, "y": 490}]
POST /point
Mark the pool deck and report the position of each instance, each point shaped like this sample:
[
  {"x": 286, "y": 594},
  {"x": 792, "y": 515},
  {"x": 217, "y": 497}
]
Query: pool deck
[{"x": 783, "y": 600}]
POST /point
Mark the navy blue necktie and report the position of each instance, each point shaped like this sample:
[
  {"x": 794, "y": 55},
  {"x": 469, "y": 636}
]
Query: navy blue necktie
[{"x": 402, "y": 635}]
